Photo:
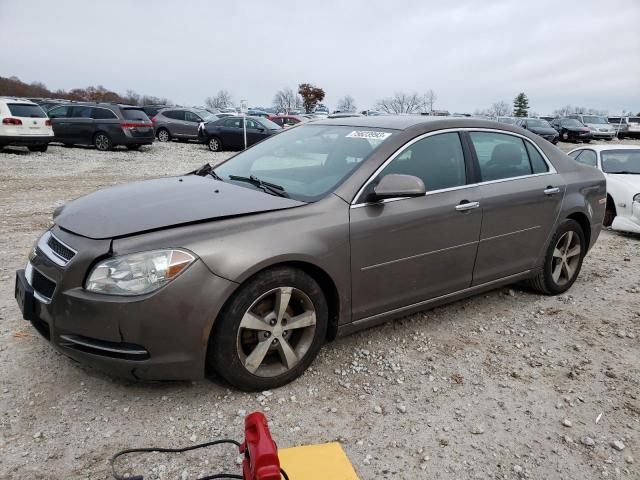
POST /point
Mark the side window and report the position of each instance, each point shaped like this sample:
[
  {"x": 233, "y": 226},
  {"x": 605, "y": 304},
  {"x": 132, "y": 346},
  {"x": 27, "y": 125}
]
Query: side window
[
  {"x": 538, "y": 165},
  {"x": 253, "y": 124},
  {"x": 175, "y": 114},
  {"x": 233, "y": 123},
  {"x": 588, "y": 157},
  {"x": 500, "y": 155},
  {"x": 102, "y": 114},
  {"x": 191, "y": 117},
  {"x": 438, "y": 160},
  {"x": 575, "y": 154},
  {"x": 59, "y": 112},
  {"x": 81, "y": 112}
]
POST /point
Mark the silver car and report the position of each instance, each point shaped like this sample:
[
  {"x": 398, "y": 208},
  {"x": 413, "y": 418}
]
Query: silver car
[
  {"x": 180, "y": 123},
  {"x": 598, "y": 125}
]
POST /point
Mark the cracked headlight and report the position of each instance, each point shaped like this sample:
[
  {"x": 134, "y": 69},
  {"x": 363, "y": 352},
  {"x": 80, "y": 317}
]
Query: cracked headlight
[{"x": 138, "y": 273}]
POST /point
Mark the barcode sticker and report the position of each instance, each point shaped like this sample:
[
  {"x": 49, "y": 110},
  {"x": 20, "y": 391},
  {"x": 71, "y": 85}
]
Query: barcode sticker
[{"x": 369, "y": 134}]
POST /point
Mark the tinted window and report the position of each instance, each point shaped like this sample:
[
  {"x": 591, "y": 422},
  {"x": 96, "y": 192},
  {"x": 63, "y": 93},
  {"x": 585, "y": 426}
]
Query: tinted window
[
  {"x": 254, "y": 125},
  {"x": 102, "y": 114},
  {"x": 588, "y": 157},
  {"x": 500, "y": 155},
  {"x": 233, "y": 122},
  {"x": 134, "y": 114},
  {"x": 174, "y": 114},
  {"x": 26, "y": 110},
  {"x": 59, "y": 112},
  {"x": 438, "y": 160},
  {"x": 191, "y": 117},
  {"x": 538, "y": 165},
  {"x": 81, "y": 112}
]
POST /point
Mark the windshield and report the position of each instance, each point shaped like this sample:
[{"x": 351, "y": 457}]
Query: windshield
[
  {"x": 627, "y": 161},
  {"x": 594, "y": 119},
  {"x": 571, "y": 122},
  {"x": 634, "y": 119},
  {"x": 538, "y": 123},
  {"x": 206, "y": 115},
  {"x": 308, "y": 161}
]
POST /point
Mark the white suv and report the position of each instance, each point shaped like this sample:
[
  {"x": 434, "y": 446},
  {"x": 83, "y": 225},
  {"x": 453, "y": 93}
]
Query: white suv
[{"x": 24, "y": 123}]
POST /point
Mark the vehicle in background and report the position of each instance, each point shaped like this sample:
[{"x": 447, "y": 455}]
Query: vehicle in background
[
  {"x": 371, "y": 113},
  {"x": 229, "y": 110},
  {"x": 152, "y": 110},
  {"x": 344, "y": 115},
  {"x": 571, "y": 130},
  {"x": 626, "y": 126},
  {"x": 621, "y": 167},
  {"x": 248, "y": 268},
  {"x": 598, "y": 125},
  {"x": 103, "y": 125},
  {"x": 48, "y": 103},
  {"x": 228, "y": 133},
  {"x": 286, "y": 121},
  {"x": 548, "y": 118},
  {"x": 258, "y": 113},
  {"x": 507, "y": 120},
  {"x": 539, "y": 127},
  {"x": 24, "y": 123},
  {"x": 180, "y": 123}
]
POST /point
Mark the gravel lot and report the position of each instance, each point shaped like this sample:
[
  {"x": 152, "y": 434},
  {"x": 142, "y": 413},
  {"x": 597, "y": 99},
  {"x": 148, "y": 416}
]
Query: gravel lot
[{"x": 504, "y": 385}]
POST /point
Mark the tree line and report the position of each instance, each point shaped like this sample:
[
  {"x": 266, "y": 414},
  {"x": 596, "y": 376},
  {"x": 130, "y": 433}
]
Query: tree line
[{"x": 14, "y": 87}]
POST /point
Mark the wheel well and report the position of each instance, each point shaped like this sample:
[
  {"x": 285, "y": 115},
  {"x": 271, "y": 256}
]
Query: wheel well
[
  {"x": 583, "y": 220},
  {"x": 611, "y": 207}
]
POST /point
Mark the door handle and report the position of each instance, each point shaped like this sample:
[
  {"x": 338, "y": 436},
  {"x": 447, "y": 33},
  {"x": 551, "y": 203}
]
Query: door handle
[
  {"x": 464, "y": 206},
  {"x": 551, "y": 190}
]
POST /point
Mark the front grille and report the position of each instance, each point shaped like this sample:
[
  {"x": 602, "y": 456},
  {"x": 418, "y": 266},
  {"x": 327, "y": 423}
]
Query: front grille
[
  {"x": 60, "y": 249},
  {"x": 42, "y": 284}
]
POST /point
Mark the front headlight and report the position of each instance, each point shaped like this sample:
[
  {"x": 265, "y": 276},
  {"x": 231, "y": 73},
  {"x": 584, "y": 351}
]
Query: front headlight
[{"x": 138, "y": 273}]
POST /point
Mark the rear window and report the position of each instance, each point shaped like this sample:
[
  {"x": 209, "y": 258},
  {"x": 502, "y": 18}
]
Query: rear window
[
  {"x": 102, "y": 114},
  {"x": 26, "y": 110},
  {"x": 134, "y": 114},
  {"x": 269, "y": 124},
  {"x": 634, "y": 119}
]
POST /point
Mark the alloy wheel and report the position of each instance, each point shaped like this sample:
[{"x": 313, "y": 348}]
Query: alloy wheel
[
  {"x": 102, "y": 142},
  {"x": 214, "y": 145},
  {"x": 566, "y": 258},
  {"x": 163, "y": 136},
  {"x": 276, "y": 331}
]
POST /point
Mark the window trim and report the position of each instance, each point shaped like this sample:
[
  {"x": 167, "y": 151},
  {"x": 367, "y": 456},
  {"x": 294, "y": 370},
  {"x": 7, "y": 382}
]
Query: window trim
[{"x": 400, "y": 150}]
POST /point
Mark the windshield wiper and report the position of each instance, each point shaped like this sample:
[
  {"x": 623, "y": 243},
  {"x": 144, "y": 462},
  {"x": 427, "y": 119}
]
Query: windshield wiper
[
  {"x": 271, "y": 188},
  {"x": 205, "y": 170}
]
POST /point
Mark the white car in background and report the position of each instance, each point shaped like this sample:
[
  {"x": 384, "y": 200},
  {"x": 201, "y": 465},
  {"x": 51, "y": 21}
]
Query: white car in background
[
  {"x": 599, "y": 125},
  {"x": 621, "y": 167},
  {"x": 23, "y": 123}
]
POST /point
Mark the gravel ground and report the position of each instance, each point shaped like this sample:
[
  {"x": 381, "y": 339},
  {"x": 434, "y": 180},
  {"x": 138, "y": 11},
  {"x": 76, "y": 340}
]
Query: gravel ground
[{"x": 509, "y": 384}]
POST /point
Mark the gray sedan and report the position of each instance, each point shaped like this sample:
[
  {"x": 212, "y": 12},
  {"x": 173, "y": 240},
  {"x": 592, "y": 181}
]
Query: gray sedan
[{"x": 248, "y": 268}]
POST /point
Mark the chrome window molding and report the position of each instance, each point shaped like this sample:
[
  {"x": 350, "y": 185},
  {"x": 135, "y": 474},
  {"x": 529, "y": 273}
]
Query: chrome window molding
[
  {"x": 43, "y": 246},
  {"x": 401, "y": 150}
]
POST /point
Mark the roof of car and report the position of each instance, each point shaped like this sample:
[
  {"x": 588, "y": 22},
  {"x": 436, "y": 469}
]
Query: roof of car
[
  {"x": 603, "y": 148},
  {"x": 402, "y": 122},
  {"x": 15, "y": 99}
]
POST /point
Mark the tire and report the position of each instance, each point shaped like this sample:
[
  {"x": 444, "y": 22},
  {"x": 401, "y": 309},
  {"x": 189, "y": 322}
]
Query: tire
[
  {"x": 233, "y": 340},
  {"x": 134, "y": 147},
  {"x": 546, "y": 282},
  {"x": 38, "y": 148},
  {"x": 564, "y": 136},
  {"x": 102, "y": 142},
  {"x": 163, "y": 135},
  {"x": 214, "y": 144},
  {"x": 587, "y": 141},
  {"x": 608, "y": 139}
]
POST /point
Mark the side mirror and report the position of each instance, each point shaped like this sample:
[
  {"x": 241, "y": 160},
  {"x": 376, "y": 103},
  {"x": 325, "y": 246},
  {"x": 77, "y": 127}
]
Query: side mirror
[{"x": 395, "y": 185}]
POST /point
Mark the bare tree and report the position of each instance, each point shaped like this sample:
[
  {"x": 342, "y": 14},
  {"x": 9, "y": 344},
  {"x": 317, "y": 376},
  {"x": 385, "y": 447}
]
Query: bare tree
[
  {"x": 429, "y": 100},
  {"x": 500, "y": 109},
  {"x": 400, "y": 103},
  {"x": 286, "y": 100},
  {"x": 346, "y": 104},
  {"x": 222, "y": 99}
]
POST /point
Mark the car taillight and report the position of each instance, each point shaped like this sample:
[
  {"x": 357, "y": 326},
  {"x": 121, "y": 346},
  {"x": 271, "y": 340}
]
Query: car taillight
[
  {"x": 47, "y": 122},
  {"x": 135, "y": 125},
  {"x": 11, "y": 121}
]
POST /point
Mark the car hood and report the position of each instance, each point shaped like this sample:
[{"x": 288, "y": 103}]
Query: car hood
[
  {"x": 155, "y": 204},
  {"x": 543, "y": 130},
  {"x": 625, "y": 180}
]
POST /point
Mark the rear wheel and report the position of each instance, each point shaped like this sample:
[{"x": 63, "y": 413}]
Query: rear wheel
[
  {"x": 563, "y": 260},
  {"x": 270, "y": 331},
  {"x": 215, "y": 145},
  {"x": 565, "y": 136},
  {"x": 102, "y": 142},
  {"x": 38, "y": 148},
  {"x": 164, "y": 135}
]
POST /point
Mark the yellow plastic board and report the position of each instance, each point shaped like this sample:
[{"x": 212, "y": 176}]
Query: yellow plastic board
[{"x": 326, "y": 461}]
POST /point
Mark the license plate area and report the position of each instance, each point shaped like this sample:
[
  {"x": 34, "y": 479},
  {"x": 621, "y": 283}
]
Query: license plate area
[{"x": 24, "y": 296}]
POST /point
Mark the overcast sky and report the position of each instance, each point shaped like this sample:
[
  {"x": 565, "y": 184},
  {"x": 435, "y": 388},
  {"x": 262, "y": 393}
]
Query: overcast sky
[{"x": 471, "y": 53}]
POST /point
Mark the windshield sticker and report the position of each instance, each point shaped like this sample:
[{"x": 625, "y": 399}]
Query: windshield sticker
[{"x": 369, "y": 134}]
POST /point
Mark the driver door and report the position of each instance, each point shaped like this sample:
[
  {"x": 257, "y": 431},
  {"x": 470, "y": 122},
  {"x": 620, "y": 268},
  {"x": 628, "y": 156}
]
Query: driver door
[{"x": 408, "y": 250}]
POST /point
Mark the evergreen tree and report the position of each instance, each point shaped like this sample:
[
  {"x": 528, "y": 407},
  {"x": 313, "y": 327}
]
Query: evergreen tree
[{"x": 520, "y": 105}]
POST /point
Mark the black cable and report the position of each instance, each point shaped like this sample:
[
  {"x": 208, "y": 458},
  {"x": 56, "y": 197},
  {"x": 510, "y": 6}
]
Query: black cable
[{"x": 169, "y": 450}]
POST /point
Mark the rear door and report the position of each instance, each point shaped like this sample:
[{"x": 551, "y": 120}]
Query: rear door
[
  {"x": 232, "y": 132},
  {"x": 81, "y": 124},
  {"x": 191, "y": 122},
  {"x": 61, "y": 122},
  {"x": 34, "y": 120},
  {"x": 406, "y": 251},
  {"x": 176, "y": 123},
  {"x": 521, "y": 195}
]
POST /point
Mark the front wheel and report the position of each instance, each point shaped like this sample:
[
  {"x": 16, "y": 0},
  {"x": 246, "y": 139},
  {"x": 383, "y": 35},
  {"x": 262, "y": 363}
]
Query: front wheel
[
  {"x": 215, "y": 145},
  {"x": 270, "y": 331},
  {"x": 563, "y": 260},
  {"x": 102, "y": 142}
]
